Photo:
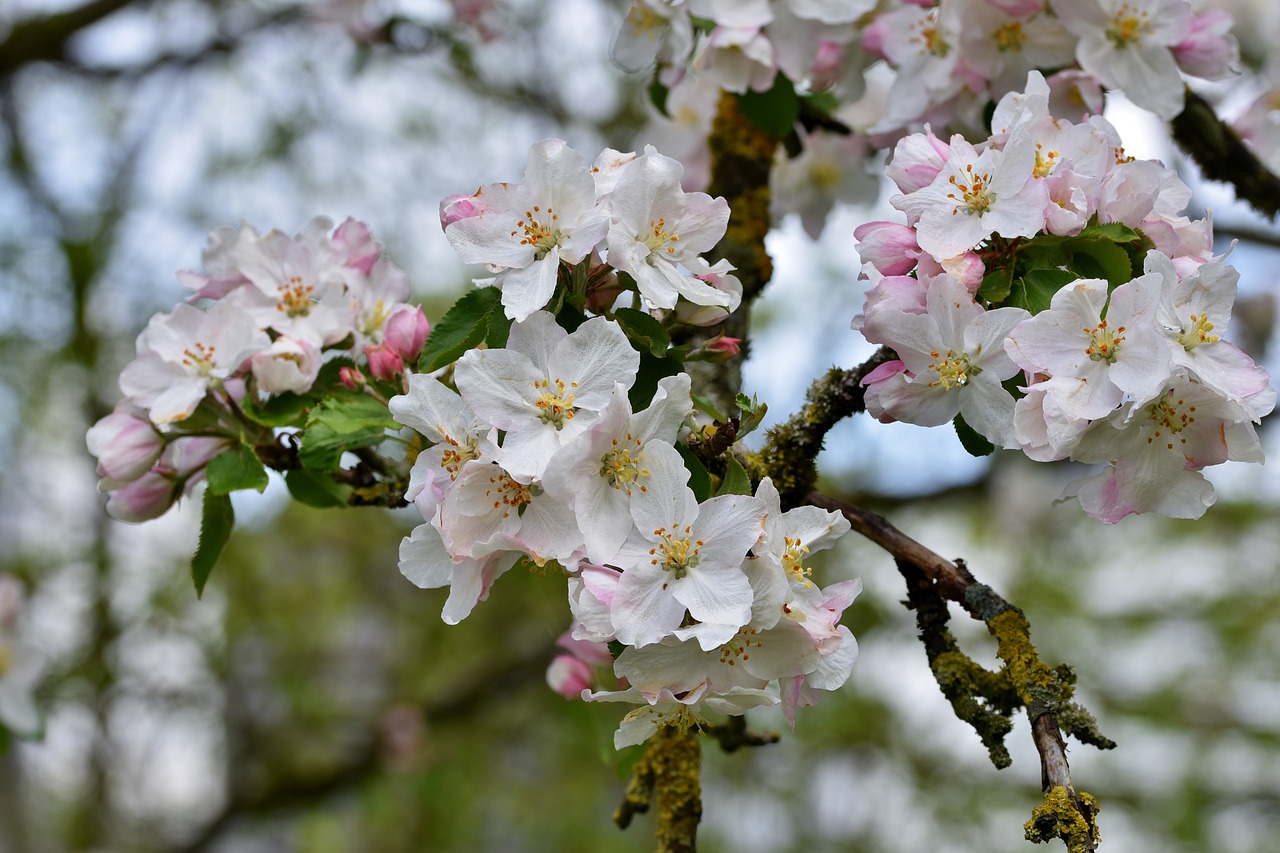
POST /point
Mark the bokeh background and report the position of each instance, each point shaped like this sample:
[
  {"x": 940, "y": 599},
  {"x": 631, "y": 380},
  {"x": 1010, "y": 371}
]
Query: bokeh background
[{"x": 313, "y": 700}]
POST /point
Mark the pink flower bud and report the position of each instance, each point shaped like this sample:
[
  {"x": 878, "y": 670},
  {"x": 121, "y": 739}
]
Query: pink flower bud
[
  {"x": 147, "y": 497},
  {"x": 126, "y": 444},
  {"x": 351, "y": 378},
  {"x": 384, "y": 363},
  {"x": 406, "y": 331},
  {"x": 569, "y": 676},
  {"x": 1210, "y": 50},
  {"x": 289, "y": 365},
  {"x": 890, "y": 247},
  {"x": 826, "y": 63},
  {"x": 587, "y": 651},
  {"x": 723, "y": 348},
  {"x": 355, "y": 244},
  {"x": 457, "y": 207}
]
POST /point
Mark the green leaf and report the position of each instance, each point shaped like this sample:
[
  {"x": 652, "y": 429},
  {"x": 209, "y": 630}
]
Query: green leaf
[
  {"x": 462, "y": 327},
  {"x": 1116, "y": 232},
  {"x": 341, "y": 424},
  {"x": 658, "y": 94},
  {"x": 644, "y": 331},
  {"x": 776, "y": 110},
  {"x": 753, "y": 412},
  {"x": 736, "y": 480},
  {"x": 646, "y": 384},
  {"x": 217, "y": 519},
  {"x": 1035, "y": 290},
  {"x": 235, "y": 469},
  {"x": 995, "y": 284},
  {"x": 315, "y": 489},
  {"x": 704, "y": 405},
  {"x": 1100, "y": 259},
  {"x": 499, "y": 330},
  {"x": 972, "y": 440},
  {"x": 282, "y": 410},
  {"x": 823, "y": 102},
  {"x": 699, "y": 479}
]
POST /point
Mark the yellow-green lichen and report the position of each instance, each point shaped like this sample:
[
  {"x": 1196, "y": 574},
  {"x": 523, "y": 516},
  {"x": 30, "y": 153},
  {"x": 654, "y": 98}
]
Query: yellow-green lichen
[{"x": 1059, "y": 816}]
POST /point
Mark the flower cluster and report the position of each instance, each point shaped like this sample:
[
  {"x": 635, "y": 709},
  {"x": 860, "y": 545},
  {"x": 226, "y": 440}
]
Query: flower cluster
[
  {"x": 554, "y": 226},
  {"x": 266, "y": 315},
  {"x": 539, "y": 455},
  {"x": 1048, "y": 252}
]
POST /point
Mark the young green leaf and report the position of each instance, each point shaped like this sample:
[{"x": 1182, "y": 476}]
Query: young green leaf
[
  {"x": 282, "y": 410},
  {"x": 699, "y": 479},
  {"x": 753, "y": 412},
  {"x": 217, "y": 519},
  {"x": 644, "y": 331},
  {"x": 315, "y": 489},
  {"x": 1034, "y": 290},
  {"x": 462, "y": 328},
  {"x": 973, "y": 441},
  {"x": 736, "y": 480},
  {"x": 235, "y": 469},
  {"x": 776, "y": 110}
]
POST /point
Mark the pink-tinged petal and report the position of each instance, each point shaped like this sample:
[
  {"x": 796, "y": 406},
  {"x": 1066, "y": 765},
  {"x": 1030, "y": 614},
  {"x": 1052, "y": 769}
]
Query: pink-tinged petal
[{"x": 424, "y": 560}]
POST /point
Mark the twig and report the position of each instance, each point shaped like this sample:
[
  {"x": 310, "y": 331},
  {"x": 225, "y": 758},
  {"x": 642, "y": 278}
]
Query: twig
[
  {"x": 1223, "y": 156},
  {"x": 1024, "y": 680}
]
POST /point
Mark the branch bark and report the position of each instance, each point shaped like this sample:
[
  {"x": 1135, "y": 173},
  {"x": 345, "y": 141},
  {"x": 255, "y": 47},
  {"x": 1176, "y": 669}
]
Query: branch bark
[{"x": 1045, "y": 693}]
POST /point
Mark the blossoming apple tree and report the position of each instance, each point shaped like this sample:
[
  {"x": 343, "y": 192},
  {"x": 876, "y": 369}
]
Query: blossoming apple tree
[{"x": 578, "y": 412}]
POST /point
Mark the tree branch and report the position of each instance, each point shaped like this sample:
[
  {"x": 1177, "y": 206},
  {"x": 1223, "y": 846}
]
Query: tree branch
[
  {"x": 1223, "y": 156},
  {"x": 981, "y": 697},
  {"x": 45, "y": 39}
]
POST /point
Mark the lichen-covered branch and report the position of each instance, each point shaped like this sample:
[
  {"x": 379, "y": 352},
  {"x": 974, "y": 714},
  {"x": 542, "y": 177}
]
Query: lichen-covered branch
[
  {"x": 985, "y": 699},
  {"x": 1223, "y": 156},
  {"x": 670, "y": 773},
  {"x": 789, "y": 456}
]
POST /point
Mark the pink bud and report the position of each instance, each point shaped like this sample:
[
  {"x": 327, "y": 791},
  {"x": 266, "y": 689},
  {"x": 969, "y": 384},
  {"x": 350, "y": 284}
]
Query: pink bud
[
  {"x": 126, "y": 444},
  {"x": 355, "y": 241},
  {"x": 351, "y": 378},
  {"x": 569, "y": 676},
  {"x": 724, "y": 348},
  {"x": 826, "y": 63},
  {"x": 456, "y": 207},
  {"x": 384, "y": 363},
  {"x": 587, "y": 651},
  {"x": 147, "y": 497},
  {"x": 406, "y": 331},
  {"x": 1210, "y": 50},
  {"x": 887, "y": 246}
]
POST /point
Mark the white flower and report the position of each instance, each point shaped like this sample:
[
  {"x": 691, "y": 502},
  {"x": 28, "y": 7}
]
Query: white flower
[
  {"x": 426, "y": 562},
  {"x": 1127, "y": 44},
  {"x": 546, "y": 387},
  {"x": 1094, "y": 361},
  {"x": 182, "y": 353},
  {"x": 684, "y": 555},
  {"x": 659, "y": 233},
  {"x": 955, "y": 358},
  {"x": 977, "y": 195},
  {"x": 523, "y": 231},
  {"x": 603, "y": 470}
]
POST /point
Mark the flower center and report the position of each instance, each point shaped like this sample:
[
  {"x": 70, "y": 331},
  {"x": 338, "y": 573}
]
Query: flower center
[
  {"x": 953, "y": 369},
  {"x": 295, "y": 298},
  {"x": 540, "y": 230},
  {"x": 554, "y": 407},
  {"x": 374, "y": 318},
  {"x": 975, "y": 192},
  {"x": 1045, "y": 161},
  {"x": 674, "y": 553},
  {"x": 453, "y": 457},
  {"x": 509, "y": 495},
  {"x": 1197, "y": 333},
  {"x": 1129, "y": 26},
  {"x": 1103, "y": 343},
  {"x": 659, "y": 237},
  {"x": 793, "y": 560},
  {"x": 620, "y": 469},
  {"x": 200, "y": 357},
  {"x": 1009, "y": 36},
  {"x": 739, "y": 646},
  {"x": 925, "y": 34},
  {"x": 1169, "y": 417}
]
